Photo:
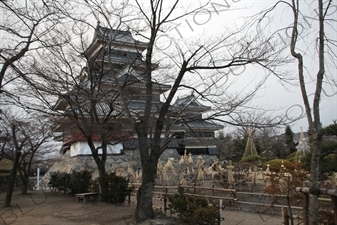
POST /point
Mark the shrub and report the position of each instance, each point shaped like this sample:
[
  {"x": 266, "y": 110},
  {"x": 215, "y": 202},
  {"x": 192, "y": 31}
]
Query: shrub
[
  {"x": 285, "y": 180},
  {"x": 77, "y": 182},
  {"x": 295, "y": 156},
  {"x": 326, "y": 217},
  {"x": 193, "y": 210},
  {"x": 53, "y": 180},
  {"x": 59, "y": 181},
  {"x": 115, "y": 188},
  {"x": 80, "y": 182},
  {"x": 208, "y": 215},
  {"x": 251, "y": 158},
  {"x": 94, "y": 186},
  {"x": 275, "y": 164}
]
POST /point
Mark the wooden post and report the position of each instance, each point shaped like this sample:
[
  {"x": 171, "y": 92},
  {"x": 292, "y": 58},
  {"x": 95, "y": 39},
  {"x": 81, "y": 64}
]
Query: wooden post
[
  {"x": 285, "y": 218},
  {"x": 305, "y": 208},
  {"x": 334, "y": 202},
  {"x": 129, "y": 195},
  {"x": 220, "y": 212},
  {"x": 165, "y": 201},
  {"x": 306, "y": 204}
]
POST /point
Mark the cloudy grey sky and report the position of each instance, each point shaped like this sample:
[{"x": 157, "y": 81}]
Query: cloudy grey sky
[{"x": 284, "y": 97}]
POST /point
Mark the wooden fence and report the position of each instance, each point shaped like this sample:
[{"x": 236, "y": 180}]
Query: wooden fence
[
  {"x": 161, "y": 194},
  {"x": 322, "y": 191},
  {"x": 220, "y": 195}
]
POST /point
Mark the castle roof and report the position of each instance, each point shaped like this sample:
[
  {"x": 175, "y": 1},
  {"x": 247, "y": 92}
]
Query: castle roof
[
  {"x": 131, "y": 77},
  {"x": 190, "y": 102},
  {"x": 118, "y": 37},
  {"x": 197, "y": 125}
]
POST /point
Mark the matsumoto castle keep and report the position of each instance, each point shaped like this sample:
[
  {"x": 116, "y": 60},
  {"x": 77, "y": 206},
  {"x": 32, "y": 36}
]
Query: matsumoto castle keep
[{"x": 120, "y": 56}]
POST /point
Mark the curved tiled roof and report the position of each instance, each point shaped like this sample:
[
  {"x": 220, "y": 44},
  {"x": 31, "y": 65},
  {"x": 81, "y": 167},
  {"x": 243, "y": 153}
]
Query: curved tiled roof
[
  {"x": 196, "y": 125},
  {"x": 190, "y": 102},
  {"x": 118, "y": 37}
]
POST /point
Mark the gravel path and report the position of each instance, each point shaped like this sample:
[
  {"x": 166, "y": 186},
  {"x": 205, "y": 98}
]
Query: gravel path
[
  {"x": 48, "y": 208},
  {"x": 247, "y": 218}
]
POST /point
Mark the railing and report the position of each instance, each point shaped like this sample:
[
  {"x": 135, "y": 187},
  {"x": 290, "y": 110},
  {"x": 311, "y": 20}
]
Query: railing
[
  {"x": 220, "y": 195},
  {"x": 161, "y": 193},
  {"x": 306, "y": 191}
]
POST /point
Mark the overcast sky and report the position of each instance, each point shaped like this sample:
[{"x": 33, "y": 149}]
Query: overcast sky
[
  {"x": 287, "y": 98},
  {"x": 223, "y": 14}
]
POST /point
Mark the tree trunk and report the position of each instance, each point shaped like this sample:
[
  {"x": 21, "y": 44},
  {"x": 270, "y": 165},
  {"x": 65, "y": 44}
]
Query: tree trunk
[
  {"x": 314, "y": 189},
  {"x": 313, "y": 122},
  {"x": 103, "y": 187},
  {"x": 315, "y": 126},
  {"x": 25, "y": 183},
  {"x": 12, "y": 180},
  {"x": 100, "y": 162},
  {"x": 144, "y": 209},
  {"x": 24, "y": 176},
  {"x": 102, "y": 174}
]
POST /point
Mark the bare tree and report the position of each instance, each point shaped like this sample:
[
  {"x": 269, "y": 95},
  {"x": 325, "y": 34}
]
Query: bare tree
[
  {"x": 87, "y": 106},
  {"x": 38, "y": 146},
  {"x": 24, "y": 26},
  {"x": 323, "y": 46},
  {"x": 202, "y": 57},
  {"x": 17, "y": 155},
  {"x": 26, "y": 140},
  {"x": 208, "y": 61}
]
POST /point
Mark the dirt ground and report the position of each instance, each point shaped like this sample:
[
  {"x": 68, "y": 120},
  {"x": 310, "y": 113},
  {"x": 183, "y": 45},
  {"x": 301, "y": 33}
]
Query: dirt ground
[{"x": 49, "y": 208}]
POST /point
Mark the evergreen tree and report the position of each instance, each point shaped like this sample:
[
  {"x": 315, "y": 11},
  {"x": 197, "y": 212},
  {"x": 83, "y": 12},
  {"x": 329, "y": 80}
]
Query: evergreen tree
[
  {"x": 289, "y": 140},
  {"x": 331, "y": 129},
  {"x": 238, "y": 148},
  {"x": 328, "y": 156}
]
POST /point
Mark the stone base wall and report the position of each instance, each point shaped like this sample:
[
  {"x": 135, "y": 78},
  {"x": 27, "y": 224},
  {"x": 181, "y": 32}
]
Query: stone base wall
[{"x": 118, "y": 163}]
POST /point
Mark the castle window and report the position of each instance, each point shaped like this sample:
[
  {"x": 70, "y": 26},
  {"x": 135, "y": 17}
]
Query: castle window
[
  {"x": 123, "y": 54},
  {"x": 118, "y": 53}
]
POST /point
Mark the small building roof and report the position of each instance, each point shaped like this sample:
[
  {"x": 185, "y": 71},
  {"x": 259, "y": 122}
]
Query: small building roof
[{"x": 190, "y": 102}]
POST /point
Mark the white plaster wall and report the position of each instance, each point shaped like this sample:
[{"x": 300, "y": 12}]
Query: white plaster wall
[
  {"x": 82, "y": 148},
  {"x": 74, "y": 148}
]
